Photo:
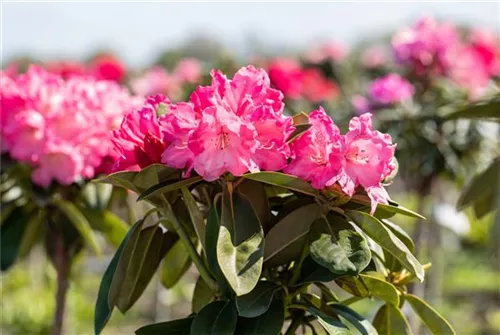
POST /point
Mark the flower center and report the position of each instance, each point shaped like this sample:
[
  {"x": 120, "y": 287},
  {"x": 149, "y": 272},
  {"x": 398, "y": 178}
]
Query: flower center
[{"x": 222, "y": 141}]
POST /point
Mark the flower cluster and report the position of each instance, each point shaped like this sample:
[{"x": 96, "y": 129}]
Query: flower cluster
[
  {"x": 237, "y": 126},
  {"x": 157, "y": 80},
  {"x": 61, "y": 127},
  {"x": 102, "y": 67},
  {"x": 297, "y": 82}
]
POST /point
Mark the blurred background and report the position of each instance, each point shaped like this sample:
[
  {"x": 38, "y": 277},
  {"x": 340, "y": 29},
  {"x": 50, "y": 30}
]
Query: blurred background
[{"x": 170, "y": 47}]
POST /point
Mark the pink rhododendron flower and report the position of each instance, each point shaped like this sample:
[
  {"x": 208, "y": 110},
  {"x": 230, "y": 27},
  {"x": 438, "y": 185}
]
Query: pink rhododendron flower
[
  {"x": 487, "y": 46},
  {"x": 360, "y": 103},
  {"x": 374, "y": 57},
  {"x": 316, "y": 87},
  {"x": 139, "y": 140},
  {"x": 66, "y": 69},
  {"x": 188, "y": 70},
  {"x": 108, "y": 67},
  {"x": 286, "y": 76},
  {"x": 157, "y": 81},
  {"x": 390, "y": 89},
  {"x": 423, "y": 46},
  {"x": 332, "y": 50},
  {"x": 60, "y": 127},
  {"x": 317, "y": 154},
  {"x": 369, "y": 158}
]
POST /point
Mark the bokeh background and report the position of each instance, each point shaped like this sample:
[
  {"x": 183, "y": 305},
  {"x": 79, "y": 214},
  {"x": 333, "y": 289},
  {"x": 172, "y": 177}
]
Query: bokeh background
[{"x": 464, "y": 281}]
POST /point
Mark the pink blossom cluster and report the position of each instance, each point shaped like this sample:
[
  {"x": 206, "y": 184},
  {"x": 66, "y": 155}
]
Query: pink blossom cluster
[
  {"x": 157, "y": 80},
  {"x": 237, "y": 125},
  {"x": 297, "y": 82},
  {"x": 102, "y": 67},
  {"x": 61, "y": 127},
  {"x": 430, "y": 48},
  {"x": 331, "y": 50}
]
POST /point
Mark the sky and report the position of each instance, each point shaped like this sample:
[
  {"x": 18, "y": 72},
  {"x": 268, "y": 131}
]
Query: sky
[{"x": 138, "y": 31}]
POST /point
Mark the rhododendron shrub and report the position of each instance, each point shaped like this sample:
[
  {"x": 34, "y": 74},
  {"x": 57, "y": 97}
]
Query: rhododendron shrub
[
  {"x": 55, "y": 136},
  {"x": 267, "y": 207}
]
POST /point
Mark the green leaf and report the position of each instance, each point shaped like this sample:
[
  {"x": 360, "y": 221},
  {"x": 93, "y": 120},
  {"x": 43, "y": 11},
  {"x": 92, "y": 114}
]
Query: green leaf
[
  {"x": 168, "y": 186},
  {"x": 388, "y": 241},
  {"x": 111, "y": 226},
  {"x": 481, "y": 110},
  {"x": 103, "y": 307},
  {"x": 268, "y": 323},
  {"x": 381, "y": 289},
  {"x": 311, "y": 272},
  {"x": 257, "y": 301},
  {"x": 283, "y": 180},
  {"x": 32, "y": 232},
  {"x": 481, "y": 188},
  {"x": 240, "y": 245},
  {"x": 175, "y": 264},
  {"x": 217, "y": 318},
  {"x": 400, "y": 233},
  {"x": 331, "y": 325},
  {"x": 353, "y": 285},
  {"x": 285, "y": 240},
  {"x": 389, "y": 320},
  {"x": 393, "y": 207},
  {"x": 362, "y": 325},
  {"x": 202, "y": 295},
  {"x": 11, "y": 235},
  {"x": 344, "y": 252},
  {"x": 255, "y": 192},
  {"x": 79, "y": 221},
  {"x": 299, "y": 129},
  {"x": 195, "y": 214},
  {"x": 175, "y": 327},
  {"x": 97, "y": 196},
  {"x": 432, "y": 319},
  {"x": 121, "y": 179}
]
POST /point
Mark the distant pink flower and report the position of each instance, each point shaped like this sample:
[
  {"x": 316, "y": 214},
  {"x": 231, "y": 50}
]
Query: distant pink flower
[
  {"x": 318, "y": 153},
  {"x": 316, "y": 87},
  {"x": 374, "y": 57},
  {"x": 487, "y": 45},
  {"x": 237, "y": 126},
  {"x": 286, "y": 76},
  {"x": 157, "y": 81},
  {"x": 391, "y": 89},
  {"x": 189, "y": 70},
  {"x": 332, "y": 50},
  {"x": 369, "y": 158},
  {"x": 108, "y": 67},
  {"x": 66, "y": 69},
  {"x": 139, "y": 140},
  {"x": 361, "y": 104}
]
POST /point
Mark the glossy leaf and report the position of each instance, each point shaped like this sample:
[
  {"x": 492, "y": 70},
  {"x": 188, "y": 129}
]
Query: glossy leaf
[
  {"x": 389, "y": 320},
  {"x": 332, "y": 325},
  {"x": 175, "y": 264},
  {"x": 121, "y": 179},
  {"x": 268, "y": 323},
  {"x": 290, "y": 234},
  {"x": 195, "y": 214},
  {"x": 97, "y": 195},
  {"x": 480, "y": 110},
  {"x": 174, "y": 327},
  {"x": 80, "y": 222},
  {"x": 32, "y": 232},
  {"x": 391, "y": 208},
  {"x": 299, "y": 129},
  {"x": 311, "y": 272},
  {"x": 381, "y": 289},
  {"x": 109, "y": 224},
  {"x": 11, "y": 235},
  {"x": 283, "y": 180},
  {"x": 257, "y": 301},
  {"x": 104, "y": 307},
  {"x": 216, "y": 318},
  {"x": 388, "y": 241},
  {"x": 362, "y": 325},
  {"x": 240, "y": 243},
  {"x": 256, "y": 194},
  {"x": 168, "y": 186},
  {"x": 432, "y": 319},
  {"x": 400, "y": 233},
  {"x": 344, "y": 252},
  {"x": 202, "y": 295}
]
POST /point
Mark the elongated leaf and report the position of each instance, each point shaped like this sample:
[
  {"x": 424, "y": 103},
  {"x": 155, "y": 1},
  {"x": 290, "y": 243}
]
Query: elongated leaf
[
  {"x": 175, "y": 264},
  {"x": 432, "y": 319},
  {"x": 331, "y": 325},
  {"x": 257, "y": 301},
  {"x": 362, "y": 325},
  {"x": 175, "y": 327},
  {"x": 389, "y": 320},
  {"x": 202, "y": 295},
  {"x": 121, "y": 179},
  {"x": 480, "y": 110},
  {"x": 240, "y": 245},
  {"x": 195, "y": 214},
  {"x": 255, "y": 192},
  {"x": 283, "y": 180},
  {"x": 391, "y": 208},
  {"x": 299, "y": 129},
  {"x": 289, "y": 232},
  {"x": 32, "y": 232},
  {"x": 311, "y": 272},
  {"x": 269, "y": 323},
  {"x": 103, "y": 307},
  {"x": 217, "y": 318},
  {"x": 80, "y": 222},
  {"x": 11, "y": 235},
  {"x": 111, "y": 226},
  {"x": 388, "y": 241},
  {"x": 400, "y": 233},
  {"x": 344, "y": 252},
  {"x": 154, "y": 174},
  {"x": 168, "y": 186},
  {"x": 97, "y": 195},
  {"x": 381, "y": 289}
]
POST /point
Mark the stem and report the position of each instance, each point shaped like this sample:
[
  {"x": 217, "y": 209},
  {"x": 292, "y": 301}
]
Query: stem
[
  {"x": 294, "y": 325},
  {"x": 191, "y": 249},
  {"x": 63, "y": 264}
]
